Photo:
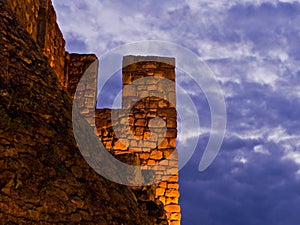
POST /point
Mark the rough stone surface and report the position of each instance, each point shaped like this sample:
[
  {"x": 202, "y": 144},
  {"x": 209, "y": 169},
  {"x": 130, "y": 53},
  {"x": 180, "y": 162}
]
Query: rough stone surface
[
  {"x": 39, "y": 20},
  {"x": 76, "y": 65},
  {"x": 44, "y": 179},
  {"x": 136, "y": 126}
]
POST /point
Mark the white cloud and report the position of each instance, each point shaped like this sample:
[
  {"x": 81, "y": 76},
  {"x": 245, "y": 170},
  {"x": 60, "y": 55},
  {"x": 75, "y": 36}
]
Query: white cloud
[
  {"x": 102, "y": 25},
  {"x": 280, "y": 54},
  {"x": 222, "y": 5},
  {"x": 289, "y": 1},
  {"x": 292, "y": 155},
  {"x": 240, "y": 159},
  {"x": 248, "y": 134},
  {"x": 263, "y": 75},
  {"x": 288, "y": 143},
  {"x": 279, "y": 135},
  {"x": 260, "y": 149},
  {"x": 209, "y": 49},
  {"x": 191, "y": 134}
]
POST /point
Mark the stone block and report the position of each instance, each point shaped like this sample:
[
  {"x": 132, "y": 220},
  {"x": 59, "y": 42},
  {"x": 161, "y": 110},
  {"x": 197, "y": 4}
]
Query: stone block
[
  {"x": 172, "y": 193},
  {"x": 119, "y": 145},
  {"x": 172, "y": 143},
  {"x": 171, "y": 123},
  {"x": 164, "y": 144},
  {"x": 175, "y": 222},
  {"x": 162, "y": 199},
  {"x": 172, "y": 208},
  {"x": 173, "y": 186},
  {"x": 140, "y": 122},
  {"x": 171, "y": 133},
  {"x": 171, "y": 200},
  {"x": 148, "y": 145},
  {"x": 160, "y": 191},
  {"x": 156, "y": 155},
  {"x": 167, "y": 152},
  {"x": 139, "y": 132},
  {"x": 163, "y": 184},
  {"x": 144, "y": 156},
  {"x": 175, "y": 216}
]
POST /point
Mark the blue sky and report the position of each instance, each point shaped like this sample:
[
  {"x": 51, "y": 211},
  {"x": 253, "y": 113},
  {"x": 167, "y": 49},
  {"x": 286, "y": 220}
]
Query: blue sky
[{"x": 253, "y": 48}]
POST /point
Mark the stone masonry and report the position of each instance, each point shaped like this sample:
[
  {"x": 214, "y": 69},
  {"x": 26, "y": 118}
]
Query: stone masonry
[
  {"x": 38, "y": 18},
  {"x": 139, "y": 121},
  {"x": 44, "y": 179}
]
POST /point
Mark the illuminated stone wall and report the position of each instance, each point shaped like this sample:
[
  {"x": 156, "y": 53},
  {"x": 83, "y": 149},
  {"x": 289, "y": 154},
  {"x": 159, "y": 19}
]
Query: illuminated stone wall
[
  {"x": 44, "y": 180},
  {"x": 38, "y": 18},
  {"x": 137, "y": 111}
]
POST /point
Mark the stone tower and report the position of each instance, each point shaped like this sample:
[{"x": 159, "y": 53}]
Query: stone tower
[
  {"x": 45, "y": 178},
  {"x": 146, "y": 96}
]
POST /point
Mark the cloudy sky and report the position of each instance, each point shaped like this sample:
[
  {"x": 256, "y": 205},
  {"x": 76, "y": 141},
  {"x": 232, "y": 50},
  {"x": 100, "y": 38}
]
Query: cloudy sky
[{"x": 253, "y": 48}]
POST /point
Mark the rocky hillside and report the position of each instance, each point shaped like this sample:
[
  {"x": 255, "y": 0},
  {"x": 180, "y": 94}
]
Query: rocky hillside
[{"x": 43, "y": 178}]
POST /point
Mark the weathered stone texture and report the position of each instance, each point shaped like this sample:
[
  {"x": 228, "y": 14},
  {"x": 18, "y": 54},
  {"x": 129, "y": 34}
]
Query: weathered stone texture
[
  {"x": 39, "y": 19},
  {"x": 54, "y": 43},
  {"x": 27, "y": 13},
  {"x": 44, "y": 179},
  {"x": 76, "y": 65},
  {"x": 137, "y": 122}
]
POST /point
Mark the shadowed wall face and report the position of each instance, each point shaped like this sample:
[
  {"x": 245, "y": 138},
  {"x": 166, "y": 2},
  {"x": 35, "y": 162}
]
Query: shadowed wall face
[{"x": 148, "y": 106}]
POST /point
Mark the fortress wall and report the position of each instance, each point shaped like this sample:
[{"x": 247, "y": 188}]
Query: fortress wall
[
  {"x": 135, "y": 123},
  {"x": 39, "y": 19}
]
